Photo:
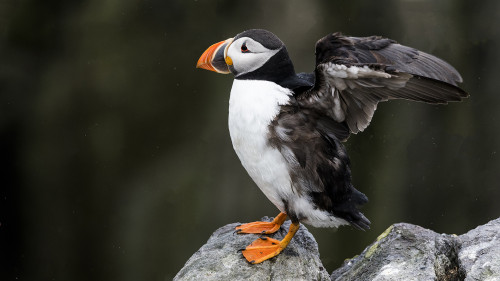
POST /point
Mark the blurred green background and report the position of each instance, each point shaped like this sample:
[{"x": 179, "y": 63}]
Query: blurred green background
[{"x": 117, "y": 163}]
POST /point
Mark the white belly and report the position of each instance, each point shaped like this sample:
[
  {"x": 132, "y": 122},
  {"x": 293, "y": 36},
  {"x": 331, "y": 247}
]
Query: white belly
[{"x": 252, "y": 105}]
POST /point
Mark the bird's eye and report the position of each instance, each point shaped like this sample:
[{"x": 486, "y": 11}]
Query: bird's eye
[{"x": 244, "y": 48}]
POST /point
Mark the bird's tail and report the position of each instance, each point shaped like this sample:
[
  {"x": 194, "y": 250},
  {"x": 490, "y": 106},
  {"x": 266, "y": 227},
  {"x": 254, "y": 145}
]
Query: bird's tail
[{"x": 348, "y": 209}]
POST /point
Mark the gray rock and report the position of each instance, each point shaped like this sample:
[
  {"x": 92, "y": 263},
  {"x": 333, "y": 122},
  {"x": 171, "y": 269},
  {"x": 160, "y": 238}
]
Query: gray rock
[
  {"x": 219, "y": 258},
  {"x": 404, "y": 252},
  {"x": 480, "y": 252},
  {"x": 409, "y": 252}
]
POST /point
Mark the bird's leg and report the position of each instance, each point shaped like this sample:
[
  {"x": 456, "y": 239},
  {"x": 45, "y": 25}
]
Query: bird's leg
[
  {"x": 265, "y": 248},
  {"x": 262, "y": 227}
]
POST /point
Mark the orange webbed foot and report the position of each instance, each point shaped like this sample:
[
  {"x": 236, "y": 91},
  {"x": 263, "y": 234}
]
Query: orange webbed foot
[
  {"x": 262, "y": 249},
  {"x": 262, "y": 227},
  {"x": 265, "y": 248}
]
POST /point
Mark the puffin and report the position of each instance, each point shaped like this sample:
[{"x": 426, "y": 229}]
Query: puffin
[{"x": 288, "y": 128}]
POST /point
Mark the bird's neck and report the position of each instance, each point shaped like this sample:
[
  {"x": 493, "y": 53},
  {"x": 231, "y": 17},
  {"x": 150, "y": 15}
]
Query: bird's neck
[{"x": 278, "y": 69}]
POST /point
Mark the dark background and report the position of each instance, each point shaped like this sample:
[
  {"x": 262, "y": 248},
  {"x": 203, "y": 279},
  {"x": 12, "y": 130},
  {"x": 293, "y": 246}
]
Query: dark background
[{"x": 117, "y": 163}]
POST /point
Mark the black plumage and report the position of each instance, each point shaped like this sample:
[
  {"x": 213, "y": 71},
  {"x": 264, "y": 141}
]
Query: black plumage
[
  {"x": 394, "y": 72},
  {"x": 384, "y": 52},
  {"x": 318, "y": 163}
]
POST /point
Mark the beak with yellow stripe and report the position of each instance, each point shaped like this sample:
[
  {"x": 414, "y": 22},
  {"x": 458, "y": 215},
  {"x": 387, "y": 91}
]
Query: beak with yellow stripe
[{"x": 215, "y": 58}]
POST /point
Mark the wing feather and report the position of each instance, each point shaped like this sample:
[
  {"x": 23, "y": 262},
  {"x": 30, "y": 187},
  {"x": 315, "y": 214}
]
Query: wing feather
[{"x": 354, "y": 74}]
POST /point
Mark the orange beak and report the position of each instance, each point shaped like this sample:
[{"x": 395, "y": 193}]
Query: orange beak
[{"x": 214, "y": 58}]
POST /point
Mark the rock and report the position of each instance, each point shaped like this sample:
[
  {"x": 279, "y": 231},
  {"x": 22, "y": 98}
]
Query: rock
[
  {"x": 409, "y": 252},
  {"x": 403, "y": 252},
  {"x": 479, "y": 255},
  {"x": 219, "y": 258}
]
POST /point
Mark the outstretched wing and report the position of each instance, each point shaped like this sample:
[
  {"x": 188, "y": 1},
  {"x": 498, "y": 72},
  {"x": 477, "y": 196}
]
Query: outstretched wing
[{"x": 354, "y": 74}]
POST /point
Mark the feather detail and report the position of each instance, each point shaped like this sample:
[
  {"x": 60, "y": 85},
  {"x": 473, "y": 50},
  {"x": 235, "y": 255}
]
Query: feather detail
[{"x": 361, "y": 72}]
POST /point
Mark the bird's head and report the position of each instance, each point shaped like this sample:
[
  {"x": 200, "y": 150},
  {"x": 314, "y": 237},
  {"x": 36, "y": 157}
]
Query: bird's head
[{"x": 248, "y": 55}]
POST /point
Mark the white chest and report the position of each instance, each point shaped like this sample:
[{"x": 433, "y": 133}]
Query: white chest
[{"x": 252, "y": 105}]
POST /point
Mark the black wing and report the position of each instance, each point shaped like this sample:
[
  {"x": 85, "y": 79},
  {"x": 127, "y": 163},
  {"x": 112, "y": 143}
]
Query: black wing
[{"x": 354, "y": 74}]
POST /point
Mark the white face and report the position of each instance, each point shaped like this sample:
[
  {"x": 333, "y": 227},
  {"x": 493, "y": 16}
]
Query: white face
[{"x": 248, "y": 55}]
